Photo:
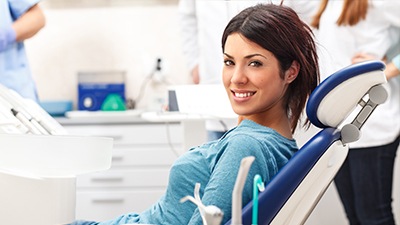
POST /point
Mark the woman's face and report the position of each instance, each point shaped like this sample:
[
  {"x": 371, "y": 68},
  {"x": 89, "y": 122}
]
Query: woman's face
[{"x": 251, "y": 77}]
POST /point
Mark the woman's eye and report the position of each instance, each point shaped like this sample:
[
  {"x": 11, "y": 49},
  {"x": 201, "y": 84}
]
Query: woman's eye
[
  {"x": 228, "y": 62},
  {"x": 255, "y": 64}
]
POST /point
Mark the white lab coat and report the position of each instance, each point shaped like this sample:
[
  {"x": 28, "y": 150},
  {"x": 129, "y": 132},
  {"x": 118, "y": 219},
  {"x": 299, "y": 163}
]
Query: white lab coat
[
  {"x": 378, "y": 33},
  {"x": 202, "y": 25}
]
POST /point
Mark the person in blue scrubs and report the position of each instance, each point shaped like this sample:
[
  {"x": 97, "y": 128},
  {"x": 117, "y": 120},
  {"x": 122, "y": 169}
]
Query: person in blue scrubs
[
  {"x": 270, "y": 67},
  {"x": 19, "y": 20}
]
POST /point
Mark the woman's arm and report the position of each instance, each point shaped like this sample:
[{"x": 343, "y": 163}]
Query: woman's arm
[
  {"x": 392, "y": 68},
  {"x": 29, "y": 23}
]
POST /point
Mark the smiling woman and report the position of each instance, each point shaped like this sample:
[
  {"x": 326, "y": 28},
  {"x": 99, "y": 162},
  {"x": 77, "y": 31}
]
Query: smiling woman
[
  {"x": 268, "y": 81},
  {"x": 255, "y": 88},
  {"x": 268, "y": 77}
]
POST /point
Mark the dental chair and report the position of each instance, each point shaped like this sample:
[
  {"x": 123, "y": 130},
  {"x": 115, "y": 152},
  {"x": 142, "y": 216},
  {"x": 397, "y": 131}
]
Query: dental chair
[
  {"x": 39, "y": 163},
  {"x": 292, "y": 194}
]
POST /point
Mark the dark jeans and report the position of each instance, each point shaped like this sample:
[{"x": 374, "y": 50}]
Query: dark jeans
[{"x": 364, "y": 184}]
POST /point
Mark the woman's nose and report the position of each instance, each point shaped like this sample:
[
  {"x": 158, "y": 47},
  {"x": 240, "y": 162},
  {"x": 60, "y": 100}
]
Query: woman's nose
[{"x": 239, "y": 76}]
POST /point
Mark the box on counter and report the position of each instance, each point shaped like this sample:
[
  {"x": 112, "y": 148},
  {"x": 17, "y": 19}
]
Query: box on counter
[{"x": 104, "y": 90}]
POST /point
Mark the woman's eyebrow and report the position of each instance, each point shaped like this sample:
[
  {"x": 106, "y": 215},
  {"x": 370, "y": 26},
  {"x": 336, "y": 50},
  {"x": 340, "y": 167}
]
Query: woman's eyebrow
[
  {"x": 247, "y": 57},
  {"x": 253, "y": 55},
  {"x": 227, "y": 55}
]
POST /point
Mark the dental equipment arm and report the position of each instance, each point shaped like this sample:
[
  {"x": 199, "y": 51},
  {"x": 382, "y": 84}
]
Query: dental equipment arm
[
  {"x": 32, "y": 118},
  {"x": 211, "y": 214},
  {"x": 238, "y": 190},
  {"x": 198, "y": 199}
]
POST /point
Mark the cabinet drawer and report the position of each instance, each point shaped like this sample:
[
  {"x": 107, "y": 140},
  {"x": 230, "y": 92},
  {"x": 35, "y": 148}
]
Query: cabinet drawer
[
  {"x": 147, "y": 177},
  {"x": 106, "y": 205},
  {"x": 137, "y": 156},
  {"x": 132, "y": 134}
]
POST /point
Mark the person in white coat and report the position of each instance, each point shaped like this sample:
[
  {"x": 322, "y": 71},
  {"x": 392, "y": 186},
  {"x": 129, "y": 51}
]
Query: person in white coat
[
  {"x": 202, "y": 24},
  {"x": 346, "y": 30}
]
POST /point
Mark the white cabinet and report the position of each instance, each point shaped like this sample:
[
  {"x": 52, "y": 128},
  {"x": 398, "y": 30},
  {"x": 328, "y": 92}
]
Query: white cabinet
[{"x": 142, "y": 156}]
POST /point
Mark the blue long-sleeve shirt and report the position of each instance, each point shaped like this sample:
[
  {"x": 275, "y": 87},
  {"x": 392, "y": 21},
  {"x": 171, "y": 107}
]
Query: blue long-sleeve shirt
[
  {"x": 15, "y": 72},
  {"x": 215, "y": 166}
]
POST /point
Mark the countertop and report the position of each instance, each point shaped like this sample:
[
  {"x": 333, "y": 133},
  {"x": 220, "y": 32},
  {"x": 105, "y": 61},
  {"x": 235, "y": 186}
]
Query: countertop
[
  {"x": 128, "y": 116},
  {"x": 101, "y": 117}
]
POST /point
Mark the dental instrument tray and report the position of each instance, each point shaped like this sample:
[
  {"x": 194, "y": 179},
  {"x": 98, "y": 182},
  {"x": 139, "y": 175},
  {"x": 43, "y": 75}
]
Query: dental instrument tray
[{"x": 39, "y": 163}]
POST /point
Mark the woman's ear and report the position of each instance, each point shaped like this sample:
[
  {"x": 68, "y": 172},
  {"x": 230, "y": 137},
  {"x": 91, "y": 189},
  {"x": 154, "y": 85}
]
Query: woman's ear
[{"x": 292, "y": 72}]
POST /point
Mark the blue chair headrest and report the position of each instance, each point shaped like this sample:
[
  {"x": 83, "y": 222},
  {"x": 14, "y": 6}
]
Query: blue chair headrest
[{"x": 332, "y": 101}]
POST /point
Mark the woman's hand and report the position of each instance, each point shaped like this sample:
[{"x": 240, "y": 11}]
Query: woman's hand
[
  {"x": 360, "y": 57},
  {"x": 390, "y": 71}
]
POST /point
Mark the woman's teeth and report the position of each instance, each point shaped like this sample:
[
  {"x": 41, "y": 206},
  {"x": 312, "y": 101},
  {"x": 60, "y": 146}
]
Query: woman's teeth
[{"x": 244, "y": 95}]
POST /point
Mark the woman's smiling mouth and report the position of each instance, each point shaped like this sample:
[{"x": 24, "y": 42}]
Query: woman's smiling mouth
[{"x": 243, "y": 94}]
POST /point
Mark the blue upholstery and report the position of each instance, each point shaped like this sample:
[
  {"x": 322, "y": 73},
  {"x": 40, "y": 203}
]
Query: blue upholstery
[{"x": 281, "y": 188}]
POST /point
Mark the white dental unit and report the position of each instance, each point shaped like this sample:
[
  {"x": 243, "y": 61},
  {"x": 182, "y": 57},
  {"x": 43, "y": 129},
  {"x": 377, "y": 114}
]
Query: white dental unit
[{"x": 39, "y": 163}]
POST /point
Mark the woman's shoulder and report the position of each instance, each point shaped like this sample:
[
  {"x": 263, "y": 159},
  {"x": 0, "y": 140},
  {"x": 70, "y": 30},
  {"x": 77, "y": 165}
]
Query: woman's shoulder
[
  {"x": 252, "y": 137},
  {"x": 251, "y": 130}
]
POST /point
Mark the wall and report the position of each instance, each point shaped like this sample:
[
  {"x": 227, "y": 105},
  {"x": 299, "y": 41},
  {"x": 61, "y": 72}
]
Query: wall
[{"x": 125, "y": 37}]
